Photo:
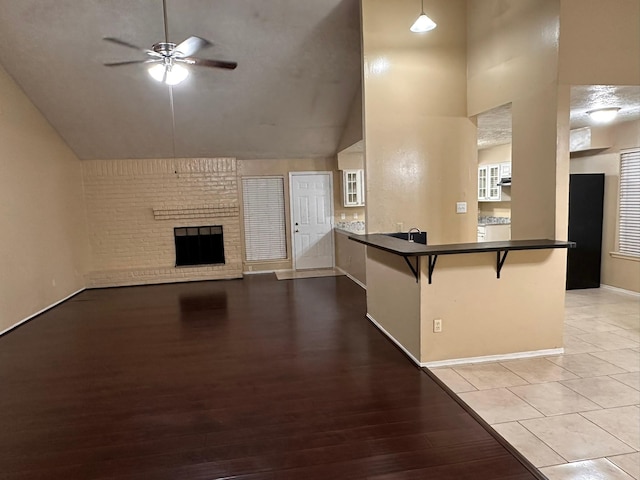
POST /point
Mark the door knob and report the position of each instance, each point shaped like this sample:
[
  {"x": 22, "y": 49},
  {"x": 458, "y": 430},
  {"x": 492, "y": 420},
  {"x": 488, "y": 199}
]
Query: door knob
[{"x": 297, "y": 230}]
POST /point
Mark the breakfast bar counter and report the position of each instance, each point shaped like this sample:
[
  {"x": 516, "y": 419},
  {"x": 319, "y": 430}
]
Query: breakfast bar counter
[{"x": 407, "y": 249}]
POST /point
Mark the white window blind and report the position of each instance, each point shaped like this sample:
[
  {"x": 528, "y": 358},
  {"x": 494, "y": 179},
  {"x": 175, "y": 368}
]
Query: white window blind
[
  {"x": 629, "y": 220},
  {"x": 264, "y": 224}
]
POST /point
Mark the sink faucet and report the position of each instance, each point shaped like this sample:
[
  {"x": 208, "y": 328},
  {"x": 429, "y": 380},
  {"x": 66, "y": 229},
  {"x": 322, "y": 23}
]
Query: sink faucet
[{"x": 412, "y": 230}]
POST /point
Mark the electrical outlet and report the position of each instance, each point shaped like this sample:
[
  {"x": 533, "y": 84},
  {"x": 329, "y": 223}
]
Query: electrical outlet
[
  {"x": 399, "y": 227},
  {"x": 461, "y": 207},
  {"x": 343, "y": 216},
  {"x": 355, "y": 216},
  {"x": 437, "y": 325}
]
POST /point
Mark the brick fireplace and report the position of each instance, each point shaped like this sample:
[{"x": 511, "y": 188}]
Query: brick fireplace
[{"x": 134, "y": 206}]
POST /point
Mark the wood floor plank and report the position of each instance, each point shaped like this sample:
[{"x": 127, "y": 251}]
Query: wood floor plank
[{"x": 246, "y": 379}]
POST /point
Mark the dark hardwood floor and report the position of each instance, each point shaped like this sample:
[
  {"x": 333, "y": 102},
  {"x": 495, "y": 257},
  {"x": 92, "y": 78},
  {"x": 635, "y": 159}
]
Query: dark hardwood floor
[{"x": 243, "y": 379}]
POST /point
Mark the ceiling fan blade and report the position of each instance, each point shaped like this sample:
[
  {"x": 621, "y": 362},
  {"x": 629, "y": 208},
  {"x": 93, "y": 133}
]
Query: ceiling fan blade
[
  {"x": 130, "y": 62},
  {"x": 205, "y": 62},
  {"x": 191, "y": 45},
  {"x": 117, "y": 41}
]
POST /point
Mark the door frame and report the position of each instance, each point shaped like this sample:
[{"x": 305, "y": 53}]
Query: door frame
[{"x": 292, "y": 208}]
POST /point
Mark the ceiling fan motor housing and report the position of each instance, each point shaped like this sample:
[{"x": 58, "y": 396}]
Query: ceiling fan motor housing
[{"x": 165, "y": 48}]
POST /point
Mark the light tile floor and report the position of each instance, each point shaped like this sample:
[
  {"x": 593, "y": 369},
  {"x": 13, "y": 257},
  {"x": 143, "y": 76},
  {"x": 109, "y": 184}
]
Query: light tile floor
[{"x": 575, "y": 416}]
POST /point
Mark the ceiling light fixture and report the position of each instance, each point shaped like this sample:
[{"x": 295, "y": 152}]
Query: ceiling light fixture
[
  {"x": 169, "y": 73},
  {"x": 423, "y": 23},
  {"x": 603, "y": 115}
]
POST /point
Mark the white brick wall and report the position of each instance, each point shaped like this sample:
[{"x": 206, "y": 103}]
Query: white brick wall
[{"x": 133, "y": 206}]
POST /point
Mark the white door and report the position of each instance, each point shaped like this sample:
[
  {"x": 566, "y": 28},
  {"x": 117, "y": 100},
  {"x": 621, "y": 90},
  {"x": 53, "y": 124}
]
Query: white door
[{"x": 311, "y": 220}]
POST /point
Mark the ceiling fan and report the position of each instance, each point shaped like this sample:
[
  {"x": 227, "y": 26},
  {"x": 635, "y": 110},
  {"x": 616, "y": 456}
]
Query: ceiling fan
[{"x": 167, "y": 57}]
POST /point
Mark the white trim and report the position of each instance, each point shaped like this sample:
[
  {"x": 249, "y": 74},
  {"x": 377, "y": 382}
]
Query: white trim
[
  {"x": 458, "y": 361},
  {"x": 400, "y": 346},
  {"x": 625, "y": 256},
  {"x": 495, "y": 358},
  {"x": 620, "y": 290},
  {"x": 41, "y": 311},
  {"x": 351, "y": 277},
  {"x": 291, "y": 215}
]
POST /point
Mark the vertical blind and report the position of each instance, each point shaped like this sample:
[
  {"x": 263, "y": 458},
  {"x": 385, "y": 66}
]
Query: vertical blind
[
  {"x": 264, "y": 223},
  {"x": 629, "y": 220}
]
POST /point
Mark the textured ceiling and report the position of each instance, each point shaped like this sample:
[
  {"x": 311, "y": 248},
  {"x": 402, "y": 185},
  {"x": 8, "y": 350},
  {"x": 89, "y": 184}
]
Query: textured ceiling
[
  {"x": 298, "y": 72},
  {"x": 494, "y": 126}
]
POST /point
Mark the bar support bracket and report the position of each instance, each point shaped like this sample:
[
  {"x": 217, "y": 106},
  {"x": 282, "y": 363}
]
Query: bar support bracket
[
  {"x": 500, "y": 261},
  {"x": 415, "y": 270},
  {"x": 432, "y": 264}
]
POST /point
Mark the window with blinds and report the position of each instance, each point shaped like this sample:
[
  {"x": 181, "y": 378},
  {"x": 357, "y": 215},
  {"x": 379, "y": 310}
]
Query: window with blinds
[
  {"x": 629, "y": 211},
  {"x": 264, "y": 221}
]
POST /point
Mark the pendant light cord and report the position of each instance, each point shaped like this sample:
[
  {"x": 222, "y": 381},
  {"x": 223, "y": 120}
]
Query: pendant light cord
[{"x": 422, "y": 7}]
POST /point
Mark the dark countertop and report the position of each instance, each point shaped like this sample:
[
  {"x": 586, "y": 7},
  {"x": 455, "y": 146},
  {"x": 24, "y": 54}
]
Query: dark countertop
[{"x": 408, "y": 249}]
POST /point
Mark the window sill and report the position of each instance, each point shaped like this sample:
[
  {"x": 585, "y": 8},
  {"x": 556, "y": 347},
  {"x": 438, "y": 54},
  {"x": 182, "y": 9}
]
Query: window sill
[{"x": 625, "y": 256}]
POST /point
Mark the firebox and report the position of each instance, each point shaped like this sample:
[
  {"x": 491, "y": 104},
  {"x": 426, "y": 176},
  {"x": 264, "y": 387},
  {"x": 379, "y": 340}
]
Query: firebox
[{"x": 199, "y": 245}]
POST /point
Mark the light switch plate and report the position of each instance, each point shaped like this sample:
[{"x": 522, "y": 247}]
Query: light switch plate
[{"x": 461, "y": 207}]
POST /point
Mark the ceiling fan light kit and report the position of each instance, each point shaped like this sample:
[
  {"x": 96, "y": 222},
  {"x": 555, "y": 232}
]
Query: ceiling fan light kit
[{"x": 171, "y": 74}]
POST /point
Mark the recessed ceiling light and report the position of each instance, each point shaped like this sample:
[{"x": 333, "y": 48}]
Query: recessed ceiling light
[{"x": 603, "y": 115}]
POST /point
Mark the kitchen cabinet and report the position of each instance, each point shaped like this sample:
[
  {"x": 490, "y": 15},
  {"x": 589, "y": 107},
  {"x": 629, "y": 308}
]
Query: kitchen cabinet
[
  {"x": 353, "y": 188},
  {"x": 494, "y": 232},
  {"x": 488, "y": 179},
  {"x": 489, "y": 176}
]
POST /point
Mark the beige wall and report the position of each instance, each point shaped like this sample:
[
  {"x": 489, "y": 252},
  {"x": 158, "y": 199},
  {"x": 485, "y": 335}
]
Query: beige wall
[
  {"x": 497, "y": 154},
  {"x": 600, "y": 42},
  {"x": 618, "y": 272},
  {"x": 393, "y": 298},
  {"x": 513, "y": 58},
  {"x": 420, "y": 147},
  {"x": 133, "y": 206},
  {"x": 523, "y": 311},
  {"x": 282, "y": 168},
  {"x": 43, "y": 246},
  {"x": 351, "y": 256}
]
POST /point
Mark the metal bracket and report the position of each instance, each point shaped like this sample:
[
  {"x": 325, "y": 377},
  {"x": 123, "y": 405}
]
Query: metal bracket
[
  {"x": 500, "y": 261},
  {"x": 432, "y": 264},
  {"x": 415, "y": 270}
]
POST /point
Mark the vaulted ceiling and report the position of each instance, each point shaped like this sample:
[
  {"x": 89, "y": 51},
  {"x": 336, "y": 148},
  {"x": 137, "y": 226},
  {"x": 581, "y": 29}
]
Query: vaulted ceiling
[{"x": 298, "y": 72}]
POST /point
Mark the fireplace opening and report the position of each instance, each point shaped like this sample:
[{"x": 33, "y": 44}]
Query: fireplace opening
[{"x": 199, "y": 245}]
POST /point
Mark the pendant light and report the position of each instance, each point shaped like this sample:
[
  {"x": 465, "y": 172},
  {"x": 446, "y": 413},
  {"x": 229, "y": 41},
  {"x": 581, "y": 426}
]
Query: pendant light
[{"x": 423, "y": 23}]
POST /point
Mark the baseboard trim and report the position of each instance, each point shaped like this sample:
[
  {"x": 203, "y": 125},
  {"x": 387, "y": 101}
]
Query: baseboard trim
[
  {"x": 495, "y": 358},
  {"x": 457, "y": 361},
  {"x": 351, "y": 277},
  {"x": 390, "y": 337},
  {"x": 31, "y": 317},
  {"x": 620, "y": 290}
]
